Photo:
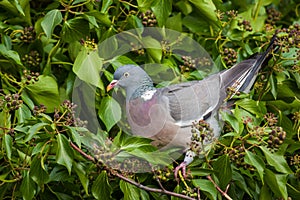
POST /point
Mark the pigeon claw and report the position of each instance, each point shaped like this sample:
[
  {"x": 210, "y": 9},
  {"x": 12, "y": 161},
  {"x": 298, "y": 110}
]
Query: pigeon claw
[{"x": 181, "y": 167}]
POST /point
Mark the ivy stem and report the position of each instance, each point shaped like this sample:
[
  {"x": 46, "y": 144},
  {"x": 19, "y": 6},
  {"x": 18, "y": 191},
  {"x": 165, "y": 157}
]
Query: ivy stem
[
  {"x": 219, "y": 189},
  {"x": 128, "y": 180}
]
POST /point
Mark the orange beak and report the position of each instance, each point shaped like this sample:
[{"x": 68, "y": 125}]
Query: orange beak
[{"x": 112, "y": 84}]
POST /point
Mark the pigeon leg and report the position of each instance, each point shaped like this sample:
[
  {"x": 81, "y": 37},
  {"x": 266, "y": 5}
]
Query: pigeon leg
[
  {"x": 182, "y": 167},
  {"x": 189, "y": 157}
]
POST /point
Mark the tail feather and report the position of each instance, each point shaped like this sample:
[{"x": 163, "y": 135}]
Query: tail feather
[{"x": 241, "y": 77}]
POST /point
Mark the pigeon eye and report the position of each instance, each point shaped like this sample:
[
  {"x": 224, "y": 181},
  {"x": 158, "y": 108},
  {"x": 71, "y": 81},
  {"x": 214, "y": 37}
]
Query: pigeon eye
[{"x": 126, "y": 74}]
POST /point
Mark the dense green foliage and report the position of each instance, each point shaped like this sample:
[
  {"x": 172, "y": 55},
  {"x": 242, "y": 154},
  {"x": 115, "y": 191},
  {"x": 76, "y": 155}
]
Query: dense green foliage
[{"x": 45, "y": 45}]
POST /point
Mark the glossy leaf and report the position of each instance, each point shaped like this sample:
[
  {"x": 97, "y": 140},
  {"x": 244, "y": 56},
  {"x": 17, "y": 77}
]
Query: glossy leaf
[
  {"x": 91, "y": 19},
  {"x": 10, "y": 54},
  {"x": 82, "y": 174},
  {"x": 207, "y": 187},
  {"x": 276, "y": 160},
  {"x": 8, "y": 145},
  {"x": 145, "y": 4},
  {"x": 277, "y": 183},
  {"x": 37, "y": 173},
  {"x": 23, "y": 113},
  {"x": 105, "y": 5},
  {"x": 232, "y": 121},
  {"x": 240, "y": 182},
  {"x": 44, "y": 91},
  {"x": 50, "y": 21},
  {"x": 87, "y": 67},
  {"x": 265, "y": 193},
  {"x": 101, "y": 188},
  {"x": 64, "y": 153},
  {"x": 162, "y": 9},
  {"x": 223, "y": 170},
  {"x": 206, "y": 7},
  {"x": 27, "y": 187},
  {"x": 101, "y": 17},
  {"x": 257, "y": 162},
  {"x": 130, "y": 192},
  {"x": 175, "y": 22},
  {"x": 75, "y": 29},
  {"x": 273, "y": 86},
  {"x": 109, "y": 112},
  {"x": 256, "y": 107},
  {"x": 33, "y": 130},
  {"x": 153, "y": 48}
]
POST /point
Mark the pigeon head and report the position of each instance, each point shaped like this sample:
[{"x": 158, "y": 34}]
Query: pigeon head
[{"x": 131, "y": 78}]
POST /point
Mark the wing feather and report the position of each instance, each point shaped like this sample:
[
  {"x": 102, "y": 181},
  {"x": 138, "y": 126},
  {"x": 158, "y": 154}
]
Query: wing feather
[{"x": 192, "y": 100}]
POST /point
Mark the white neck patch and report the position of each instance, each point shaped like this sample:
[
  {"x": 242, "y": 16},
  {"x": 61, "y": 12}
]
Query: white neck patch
[{"x": 148, "y": 95}]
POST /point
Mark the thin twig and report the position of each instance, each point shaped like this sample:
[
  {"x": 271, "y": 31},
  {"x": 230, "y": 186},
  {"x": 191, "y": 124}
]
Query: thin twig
[
  {"x": 158, "y": 181},
  {"x": 219, "y": 189},
  {"x": 198, "y": 194},
  {"x": 132, "y": 182},
  {"x": 227, "y": 187}
]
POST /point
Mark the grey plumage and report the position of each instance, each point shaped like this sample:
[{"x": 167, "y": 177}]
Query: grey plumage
[{"x": 166, "y": 114}]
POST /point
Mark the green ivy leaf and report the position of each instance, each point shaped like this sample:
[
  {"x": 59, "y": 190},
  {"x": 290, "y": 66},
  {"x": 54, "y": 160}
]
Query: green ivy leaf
[
  {"x": 207, "y": 8},
  {"x": 207, "y": 187},
  {"x": 76, "y": 133},
  {"x": 231, "y": 119},
  {"x": 33, "y": 130},
  {"x": 257, "y": 162},
  {"x": 240, "y": 181},
  {"x": 145, "y": 5},
  {"x": 24, "y": 157},
  {"x": 103, "y": 18},
  {"x": 18, "y": 6},
  {"x": 37, "y": 173},
  {"x": 265, "y": 193},
  {"x": 177, "y": 189},
  {"x": 109, "y": 112},
  {"x": 83, "y": 177},
  {"x": 23, "y": 113},
  {"x": 196, "y": 25},
  {"x": 175, "y": 23},
  {"x": 132, "y": 143},
  {"x": 44, "y": 91},
  {"x": 185, "y": 7},
  {"x": 130, "y": 192},
  {"x": 10, "y": 54},
  {"x": 101, "y": 188},
  {"x": 59, "y": 174},
  {"x": 256, "y": 107},
  {"x": 7, "y": 143},
  {"x": 135, "y": 21},
  {"x": 162, "y": 9},
  {"x": 91, "y": 19},
  {"x": 273, "y": 84},
  {"x": 75, "y": 29},
  {"x": 120, "y": 61},
  {"x": 38, "y": 149},
  {"x": 277, "y": 183},
  {"x": 27, "y": 186},
  {"x": 223, "y": 170},
  {"x": 276, "y": 160},
  {"x": 153, "y": 48},
  {"x": 64, "y": 153},
  {"x": 87, "y": 67},
  {"x": 105, "y": 5},
  {"x": 50, "y": 21}
]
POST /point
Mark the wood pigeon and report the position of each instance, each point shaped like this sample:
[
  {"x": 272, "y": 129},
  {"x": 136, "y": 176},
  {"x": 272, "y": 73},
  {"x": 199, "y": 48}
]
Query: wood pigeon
[{"x": 167, "y": 114}]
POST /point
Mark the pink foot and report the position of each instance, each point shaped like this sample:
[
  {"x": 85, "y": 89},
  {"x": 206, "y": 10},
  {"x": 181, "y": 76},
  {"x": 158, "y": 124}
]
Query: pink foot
[{"x": 182, "y": 167}]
